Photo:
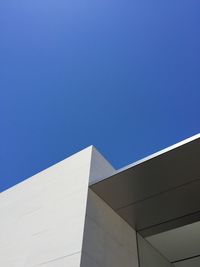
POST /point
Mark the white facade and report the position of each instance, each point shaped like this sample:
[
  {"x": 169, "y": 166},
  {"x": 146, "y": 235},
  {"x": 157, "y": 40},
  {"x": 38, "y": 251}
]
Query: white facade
[
  {"x": 57, "y": 218},
  {"x": 42, "y": 218}
]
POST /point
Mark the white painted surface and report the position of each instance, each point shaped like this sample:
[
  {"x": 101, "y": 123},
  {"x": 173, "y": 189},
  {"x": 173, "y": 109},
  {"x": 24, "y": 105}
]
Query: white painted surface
[
  {"x": 42, "y": 218},
  {"x": 52, "y": 220},
  {"x": 149, "y": 256},
  {"x": 100, "y": 167},
  {"x": 108, "y": 239},
  {"x": 179, "y": 243}
]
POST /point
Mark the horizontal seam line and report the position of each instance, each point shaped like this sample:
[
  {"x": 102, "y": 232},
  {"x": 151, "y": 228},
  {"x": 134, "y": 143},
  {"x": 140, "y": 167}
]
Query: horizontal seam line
[
  {"x": 157, "y": 194},
  {"x": 175, "y": 219},
  {"x": 59, "y": 258},
  {"x": 185, "y": 259}
]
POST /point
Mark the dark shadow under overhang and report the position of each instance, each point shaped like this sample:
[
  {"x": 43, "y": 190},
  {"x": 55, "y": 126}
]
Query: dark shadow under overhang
[{"x": 159, "y": 193}]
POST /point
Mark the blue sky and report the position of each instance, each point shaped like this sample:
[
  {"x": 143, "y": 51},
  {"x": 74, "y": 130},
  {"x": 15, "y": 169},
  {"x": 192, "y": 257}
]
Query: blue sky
[{"x": 121, "y": 75}]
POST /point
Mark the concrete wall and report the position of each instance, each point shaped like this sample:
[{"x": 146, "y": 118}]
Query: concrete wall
[
  {"x": 149, "y": 257},
  {"x": 108, "y": 239},
  {"x": 42, "y": 218}
]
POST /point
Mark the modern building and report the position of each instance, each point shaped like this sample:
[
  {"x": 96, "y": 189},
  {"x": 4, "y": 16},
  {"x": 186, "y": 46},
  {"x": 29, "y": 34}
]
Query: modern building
[{"x": 82, "y": 212}]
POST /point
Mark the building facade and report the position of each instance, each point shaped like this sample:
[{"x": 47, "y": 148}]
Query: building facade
[{"x": 82, "y": 212}]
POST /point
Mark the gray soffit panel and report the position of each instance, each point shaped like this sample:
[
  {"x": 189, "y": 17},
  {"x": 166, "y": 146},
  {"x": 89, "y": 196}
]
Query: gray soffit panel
[
  {"x": 180, "y": 244},
  {"x": 154, "y": 193},
  {"x": 193, "y": 262}
]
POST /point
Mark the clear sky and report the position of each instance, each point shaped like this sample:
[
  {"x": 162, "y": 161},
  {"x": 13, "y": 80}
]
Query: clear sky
[{"x": 121, "y": 75}]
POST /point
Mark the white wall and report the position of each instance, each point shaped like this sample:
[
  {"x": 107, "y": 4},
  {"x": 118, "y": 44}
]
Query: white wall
[
  {"x": 42, "y": 218},
  {"x": 108, "y": 239},
  {"x": 53, "y": 220},
  {"x": 100, "y": 167}
]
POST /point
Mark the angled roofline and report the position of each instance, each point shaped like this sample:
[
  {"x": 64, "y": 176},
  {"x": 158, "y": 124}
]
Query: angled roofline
[
  {"x": 159, "y": 191},
  {"x": 160, "y": 152}
]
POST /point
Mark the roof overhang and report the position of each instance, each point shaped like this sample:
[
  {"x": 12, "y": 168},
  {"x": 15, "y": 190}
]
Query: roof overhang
[{"x": 158, "y": 193}]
